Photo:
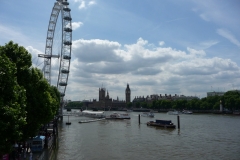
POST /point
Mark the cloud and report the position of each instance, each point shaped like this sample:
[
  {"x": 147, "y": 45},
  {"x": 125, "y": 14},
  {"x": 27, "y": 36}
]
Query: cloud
[
  {"x": 208, "y": 44},
  {"x": 91, "y": 3},
  {"x": 36, "y": 61},
  {"x": 82, "y": 5},
  {"x": 76, "y": 25},
  {"x": 205, "y": 17},
  {"x": 216, "y": 11},
  {"x": 108, "y": 57},
  {"x": 160, "y": 70},
  {"x": 147, "y": 70},
  {"x": 85, "y": 3},
  {"x": 161, "y": 43},
  {"x": 12, "y": 33},
  {"x": 196, "y": 53},
  {"x": 202, "y": 66},
  {"x": 95, "y": 50},
  {"x": 228, "y": 35}
]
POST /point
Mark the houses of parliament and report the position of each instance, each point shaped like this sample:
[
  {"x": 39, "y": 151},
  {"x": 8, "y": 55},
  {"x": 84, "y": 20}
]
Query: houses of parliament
[{"x": 105, "y": 102}]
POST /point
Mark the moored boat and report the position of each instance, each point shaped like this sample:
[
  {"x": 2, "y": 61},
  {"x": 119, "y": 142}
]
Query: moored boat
[
  {"x": 174, "y": 112},
  {"x": 91, "y": 120},
  {"x": 187, "y": 112},
  {"x": 92, "y": 114},
  {"x": 162, "y": 123},
  {"x": 118, "y": 116},
  {"x": 147, "y": 114}
]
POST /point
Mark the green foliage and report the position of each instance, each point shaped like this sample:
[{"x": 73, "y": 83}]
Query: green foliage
[
  {"x": 73, "y": 105},
  {"x": 230, "y": 100},
  {"x": 12, "y": 104},
  {"x": 138, "y": 104},
  {"x": 129, "y": 104},
  {"x": 144, "y": 105},
  {"x": 43, "y": 101},
  {"x": 27, "y": 100}
]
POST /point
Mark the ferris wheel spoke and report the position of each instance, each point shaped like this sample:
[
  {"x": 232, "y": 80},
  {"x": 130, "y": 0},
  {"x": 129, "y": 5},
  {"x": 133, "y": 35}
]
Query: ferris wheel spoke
[{"x": 60, "y": 9}]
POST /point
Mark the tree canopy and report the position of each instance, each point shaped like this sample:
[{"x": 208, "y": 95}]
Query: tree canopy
[
  {"x": 27, "y": 101},
  {"x": 74, "y": 105},
  {"x": 230, "y": 100},
  {"x": 12, "y": 105}
]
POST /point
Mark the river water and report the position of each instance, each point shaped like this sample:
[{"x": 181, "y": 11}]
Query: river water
[{"x": 201, "y": 136}]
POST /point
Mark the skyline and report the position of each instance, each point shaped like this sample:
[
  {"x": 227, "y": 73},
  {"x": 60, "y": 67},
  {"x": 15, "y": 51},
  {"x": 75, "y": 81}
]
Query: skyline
[{"x": 160, "y": 47}]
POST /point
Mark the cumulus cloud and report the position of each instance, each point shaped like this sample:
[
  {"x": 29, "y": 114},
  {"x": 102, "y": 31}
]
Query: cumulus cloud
[
  {"x": 76, "y": 25},
  {"x": 36, "y": 62},
  {"x": 82, "y": 5},
  {"x": 91, "y": 3},
  {"x": 161, "y": 43},
  {"x": 151, "y": 70},
  {"x": 160, "y": 70},
  {"x": 195, "y": 52},
  {"x": 95, "y": 50},
  {"x": 201, "y": 66}
]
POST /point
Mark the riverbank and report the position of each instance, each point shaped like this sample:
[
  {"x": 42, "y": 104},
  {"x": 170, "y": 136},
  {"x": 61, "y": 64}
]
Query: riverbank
[
  {"x": 24, "y": 151},
  {"x": 167, "y": 110}
]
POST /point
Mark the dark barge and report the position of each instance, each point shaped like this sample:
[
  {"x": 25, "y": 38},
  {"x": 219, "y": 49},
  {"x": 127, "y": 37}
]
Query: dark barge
[{"x": 162, "y": 123}]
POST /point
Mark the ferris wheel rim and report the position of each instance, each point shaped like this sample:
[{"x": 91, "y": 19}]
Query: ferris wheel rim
[{"x": 61, "y": 6}]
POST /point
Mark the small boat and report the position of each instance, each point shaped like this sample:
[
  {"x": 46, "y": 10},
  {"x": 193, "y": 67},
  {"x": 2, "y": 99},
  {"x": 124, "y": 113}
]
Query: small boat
[
  {"x": 92, "y": 120},
  {"x": 118, "y": 116},
  {"x": 92, "y": 114},
  {"x": 162, "y": 123},
  {"x": 147, "y": 114},
  {"x": 174, "y": 112},
  {"x": 187, "y": 112}
]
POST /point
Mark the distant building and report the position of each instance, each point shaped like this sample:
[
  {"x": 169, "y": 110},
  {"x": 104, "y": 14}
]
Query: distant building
[
  {"x": 151, "y": 98},
  {"x": 128, "y": 94},
  {"x": 209, "y": 94},
  {"x": 106, "y": 103}
]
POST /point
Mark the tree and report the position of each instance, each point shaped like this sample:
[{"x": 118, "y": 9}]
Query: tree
[
  {"x": 166, "y": 104},
  {"x": 129, "y": 105},
  {"x": 27, "y": 100},
  {"x": 12, "y": 105},
  {"x": 74, "y": 105},
  {"x": 143, "y": 104},
  {"x": 43, "y": 102},
  {"x": 137, "y": 104},
  {"x": 231, "y": 100}
]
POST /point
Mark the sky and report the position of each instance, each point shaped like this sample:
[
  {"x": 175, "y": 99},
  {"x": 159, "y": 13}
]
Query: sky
[{"x": 183, "y": 47}]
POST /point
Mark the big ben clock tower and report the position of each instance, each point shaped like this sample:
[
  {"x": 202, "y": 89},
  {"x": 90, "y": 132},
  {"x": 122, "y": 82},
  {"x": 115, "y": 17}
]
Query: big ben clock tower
[{"x": 128, "y": 94}]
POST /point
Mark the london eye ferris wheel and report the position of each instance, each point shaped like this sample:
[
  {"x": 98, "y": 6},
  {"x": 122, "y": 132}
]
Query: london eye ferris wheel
[{"x": 58, "y": 45}]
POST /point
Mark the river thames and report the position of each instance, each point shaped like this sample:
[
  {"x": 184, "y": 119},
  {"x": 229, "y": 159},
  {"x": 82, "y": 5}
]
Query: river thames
[{"x": 201, "y": 136}]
